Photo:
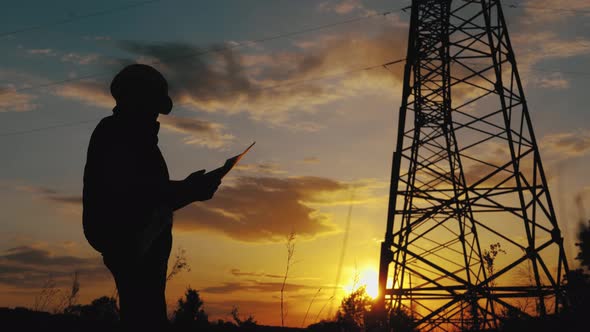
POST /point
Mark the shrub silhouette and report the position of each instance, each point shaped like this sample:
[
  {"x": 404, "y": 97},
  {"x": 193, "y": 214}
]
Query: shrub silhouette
[
  {"x": 103, "y": 309},
  {"x": 189, "y": 312},
  {"x": 584, "y": 245},
  {"x": 353, "y": 310},
  {"x": 249, "y": 324},
  {"x": 402, "y": 320}
]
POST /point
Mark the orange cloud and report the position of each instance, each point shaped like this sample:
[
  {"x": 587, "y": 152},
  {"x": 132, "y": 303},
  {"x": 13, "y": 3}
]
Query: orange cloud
[
  {"x": 268, "y": 168},
  {"x": 200, "y": 132},
  {"x": 14, "y": 101},
  {"x": 261, "y": 209},
  {"x": 89, "y": 92},
  {"x": 254, "y": 286},
  {"x": 571, "y": 144}
]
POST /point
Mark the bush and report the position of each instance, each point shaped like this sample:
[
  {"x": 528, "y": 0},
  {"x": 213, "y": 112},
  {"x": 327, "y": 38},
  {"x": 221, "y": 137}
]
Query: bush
[{"x": 189, "y": 312}]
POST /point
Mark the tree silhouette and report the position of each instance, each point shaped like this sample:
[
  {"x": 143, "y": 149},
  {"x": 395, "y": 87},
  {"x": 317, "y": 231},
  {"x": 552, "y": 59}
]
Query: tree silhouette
[
  {"x": 584, "y": 245},
  {"x": 246, "y": 324},
  {"x": 402, "y": 320},
  {"x": 578, "y": 281},
  {"x": 46, "y": 296},
  {"x": 103, "y": 309},
  {"x": 180, "y": 264},
  {"x": 189, "y": 312},
  {"x": 353, "y": 310},
  {"x": 489, "y": 257}
]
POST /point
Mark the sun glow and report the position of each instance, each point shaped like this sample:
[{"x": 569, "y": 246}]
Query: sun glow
[{"x": 367, "y": 278}]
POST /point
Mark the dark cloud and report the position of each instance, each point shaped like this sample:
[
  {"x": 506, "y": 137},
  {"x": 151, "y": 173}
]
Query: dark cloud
[
  {"x": 193, "y": 72},
  {"x": 238, "y": 273},
  {"x": 38, "y": 257},
  {"x": 261, "y": 209},
  {"x": 30, "y": 267},
  {"x": 268, "y": 85},
  {"x": 254, "y": 286},
  {"x": 52, "y": 195},
  {"x": 66, "y": 199}
]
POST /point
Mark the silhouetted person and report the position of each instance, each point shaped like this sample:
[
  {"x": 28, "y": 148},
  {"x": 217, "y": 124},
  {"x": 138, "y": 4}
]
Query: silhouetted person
[{"x": 128, "y": 197}]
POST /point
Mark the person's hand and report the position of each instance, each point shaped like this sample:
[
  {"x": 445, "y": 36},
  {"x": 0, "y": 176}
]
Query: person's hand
[{"x": 202, "y": 186}]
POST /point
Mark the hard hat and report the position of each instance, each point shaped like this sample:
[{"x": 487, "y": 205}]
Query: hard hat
[{"x": 140, "y": 83}]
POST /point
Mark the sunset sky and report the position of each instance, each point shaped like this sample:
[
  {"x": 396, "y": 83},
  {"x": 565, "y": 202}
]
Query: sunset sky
[{"x": 311, "y": 93}]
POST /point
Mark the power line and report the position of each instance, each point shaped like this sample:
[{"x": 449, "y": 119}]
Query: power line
[
  {"x": 582, "y": 74},
  {"x": 313, "y": 79},
  {"x": 217, "y": 49},
  {"x": 77, "y": 18},
  {"x": 514, "y": 5},
  {"x": 319, "y": 78}
]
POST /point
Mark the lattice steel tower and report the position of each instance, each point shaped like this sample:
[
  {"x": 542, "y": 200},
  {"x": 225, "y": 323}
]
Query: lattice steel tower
[{"x": 471, "y": 229}]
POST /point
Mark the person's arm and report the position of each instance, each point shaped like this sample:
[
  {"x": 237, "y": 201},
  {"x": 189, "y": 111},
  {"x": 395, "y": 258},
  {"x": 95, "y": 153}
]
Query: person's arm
[
  {"x": 178, "y": 195},
  {"x": 196, "y": 187}
]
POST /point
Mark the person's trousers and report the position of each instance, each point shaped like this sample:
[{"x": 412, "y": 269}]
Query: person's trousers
[{"x": 141, "y": 285}]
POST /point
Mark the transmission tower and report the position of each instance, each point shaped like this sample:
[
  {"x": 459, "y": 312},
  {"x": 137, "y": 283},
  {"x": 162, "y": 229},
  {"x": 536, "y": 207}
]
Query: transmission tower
[{"x": 471, "y": 229}]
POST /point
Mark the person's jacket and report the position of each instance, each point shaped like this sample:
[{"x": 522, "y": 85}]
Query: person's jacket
[{"x": 125, "y": 198}]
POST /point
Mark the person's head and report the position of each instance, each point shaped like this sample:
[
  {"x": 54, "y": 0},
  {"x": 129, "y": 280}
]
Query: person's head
[{"x": 141, "y": 91}]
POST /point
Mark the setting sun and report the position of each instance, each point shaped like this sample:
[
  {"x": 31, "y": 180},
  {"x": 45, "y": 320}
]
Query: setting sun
[{"x": 367, "y": 278}]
